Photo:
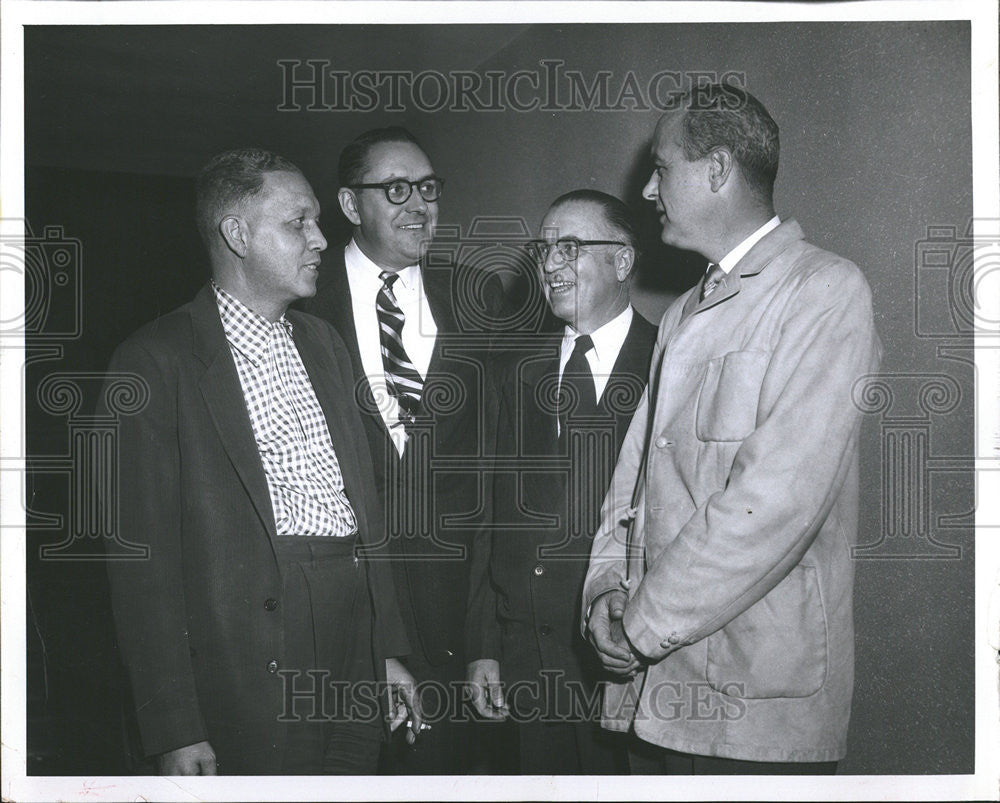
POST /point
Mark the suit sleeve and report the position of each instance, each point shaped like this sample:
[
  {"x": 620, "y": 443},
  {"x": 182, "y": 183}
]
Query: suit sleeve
[
  {"x": 785, "y": 477},
  {"x": 147, "y": 595}
]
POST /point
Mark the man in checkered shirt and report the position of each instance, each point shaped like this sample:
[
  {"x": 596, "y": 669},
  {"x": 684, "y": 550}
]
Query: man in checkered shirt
[{"x": 257, "y": 637}]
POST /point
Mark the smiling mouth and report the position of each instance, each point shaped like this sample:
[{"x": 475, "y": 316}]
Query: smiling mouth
[
  {"x": 313, "y": 266},
  {"x": 558, "y": 288},
  {"x": 413, "y": 226}
]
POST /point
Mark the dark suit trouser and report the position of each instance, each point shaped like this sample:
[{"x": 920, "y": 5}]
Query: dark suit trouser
[
  {"x": 568, "y": 748},
  {"x": 650, "y": 759},
  {"x": 327, "y": 622},
  {"x": 447, "y": 747}
]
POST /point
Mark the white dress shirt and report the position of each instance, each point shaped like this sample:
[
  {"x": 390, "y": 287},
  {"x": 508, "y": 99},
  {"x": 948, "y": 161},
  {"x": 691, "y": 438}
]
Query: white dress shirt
[
  {"x": 419, "y": 329},
  {"x": 608, "y": 341},
  {"x": 728, "y": 262}
]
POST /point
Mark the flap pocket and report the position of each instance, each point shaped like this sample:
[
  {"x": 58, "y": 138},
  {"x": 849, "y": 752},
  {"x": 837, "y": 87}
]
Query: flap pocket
[
  {"x": 776, "y": 647},
  {"x": 727, "y": 402}
]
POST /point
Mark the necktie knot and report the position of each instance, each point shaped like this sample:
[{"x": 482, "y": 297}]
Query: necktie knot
[
  {"x": 713, "y": 276},
  {"x": 584, "y": 343}
]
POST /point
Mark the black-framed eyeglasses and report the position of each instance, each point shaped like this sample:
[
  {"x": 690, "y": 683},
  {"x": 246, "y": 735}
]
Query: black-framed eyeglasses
[
  {"x": 567, "y": 248},
  {"x": 400, "y": 190}
]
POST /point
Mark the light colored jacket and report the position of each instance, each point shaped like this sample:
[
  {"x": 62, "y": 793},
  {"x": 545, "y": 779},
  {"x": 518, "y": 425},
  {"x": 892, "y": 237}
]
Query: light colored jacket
[{"x": 738, "y": 567}]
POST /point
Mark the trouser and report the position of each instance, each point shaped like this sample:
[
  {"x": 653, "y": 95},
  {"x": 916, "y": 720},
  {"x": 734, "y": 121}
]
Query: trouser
[
  {"x": 650, "y": 759},
  {"x": 327, "y": 619},
  {"x": 568, "y": 748},
  {"x": 448, "y": 747}
]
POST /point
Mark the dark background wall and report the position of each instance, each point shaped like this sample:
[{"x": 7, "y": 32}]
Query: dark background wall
[{"x": 876, "y": 147}]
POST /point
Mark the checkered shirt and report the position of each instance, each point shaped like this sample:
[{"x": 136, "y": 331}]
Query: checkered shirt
[{"x": 303, "y": 474}]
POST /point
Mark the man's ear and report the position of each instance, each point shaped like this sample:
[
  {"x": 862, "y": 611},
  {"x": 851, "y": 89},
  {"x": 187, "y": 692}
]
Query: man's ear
[
  {"x": 720, "y": 167},
  {"x": 349, "y": 205},
  {"x": 624, "y": 262},
  {"x": 234, "y": 232}
]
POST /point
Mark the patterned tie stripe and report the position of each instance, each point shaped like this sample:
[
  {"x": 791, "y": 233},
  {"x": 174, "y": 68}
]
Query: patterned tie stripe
[
  {"x": 713, "y": 276},
  {"x": 402, "y": 378}
]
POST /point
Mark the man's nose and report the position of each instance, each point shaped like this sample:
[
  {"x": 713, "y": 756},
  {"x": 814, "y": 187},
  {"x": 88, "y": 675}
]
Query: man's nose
[
  {"x": 416, "y": 202},
  {"x": 552, "y": 260},
  {"x": 652, "y": 188},
  {"x": 317, "y": 242}
]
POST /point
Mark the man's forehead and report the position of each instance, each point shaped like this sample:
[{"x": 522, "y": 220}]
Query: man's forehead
[
  {"x": 573, "y": 219},
  {"x": 287, "y": 187},
  {"x": 396, "y": 160},
  {"x": 667, "y": 133}
]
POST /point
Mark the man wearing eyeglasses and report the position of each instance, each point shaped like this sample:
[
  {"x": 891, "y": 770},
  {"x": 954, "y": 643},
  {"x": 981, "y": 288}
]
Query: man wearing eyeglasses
[
  {"x": 723, "y": 588},
  {"x": 419, "y": 371},
  {"x": 565, "y": 405}
]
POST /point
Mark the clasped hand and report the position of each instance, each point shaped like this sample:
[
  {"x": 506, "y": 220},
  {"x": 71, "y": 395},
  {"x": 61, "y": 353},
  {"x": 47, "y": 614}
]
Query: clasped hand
[{"x": 606, "y": 634}]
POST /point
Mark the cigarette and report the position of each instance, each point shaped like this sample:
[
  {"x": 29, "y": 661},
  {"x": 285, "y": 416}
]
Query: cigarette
[{"x": 423, "y": 725}]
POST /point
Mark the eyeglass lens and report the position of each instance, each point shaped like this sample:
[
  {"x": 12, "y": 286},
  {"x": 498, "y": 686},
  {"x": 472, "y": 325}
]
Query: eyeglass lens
[{"x": 399, "y": 191}]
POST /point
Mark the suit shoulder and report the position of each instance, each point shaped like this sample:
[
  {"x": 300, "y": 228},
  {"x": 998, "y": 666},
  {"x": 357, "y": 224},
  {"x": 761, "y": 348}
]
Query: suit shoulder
[
  {"x": 821, "y": 279},
  {"x": 161, "y": 337},
  {"x": 508, "y": 362},
  {"x": 330, "y": 283},
  {"x": 644, "y": 328},
  {"x": 316, "y": 328},
  {"x": 817, "y": 265}
]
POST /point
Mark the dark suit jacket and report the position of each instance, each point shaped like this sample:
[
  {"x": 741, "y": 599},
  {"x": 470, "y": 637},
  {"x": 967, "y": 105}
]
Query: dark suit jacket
[
  {"x": 547, "y": 498},
  {"x": 193, "y": 628},
  {"x": 434, "y": 493}
]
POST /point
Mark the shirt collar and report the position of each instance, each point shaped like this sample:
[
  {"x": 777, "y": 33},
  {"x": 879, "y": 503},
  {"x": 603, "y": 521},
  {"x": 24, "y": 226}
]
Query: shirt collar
[
  {"x": 607, "y": 338},
  {"x": 360, "y": 266},
  {"x": 246, "y": 330},
  {"x": 729, "y": 261}
]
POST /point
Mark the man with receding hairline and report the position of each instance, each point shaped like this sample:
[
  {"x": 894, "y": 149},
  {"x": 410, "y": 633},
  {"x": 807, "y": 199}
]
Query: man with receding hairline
[
  {"x": 523, "y": 629},
  {"x": 257, "y": 637},
  {"x": 720, "y": 581}
]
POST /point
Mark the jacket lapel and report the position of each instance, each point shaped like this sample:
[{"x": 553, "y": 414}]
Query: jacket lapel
[
  {"x": 335, "y": 296},
  {"x": 223, "y": 394},
  {"x": 437, "y": 288},
  {"x": 753, "y": 262},
  {"x": 631, "y": 365},
  {"x": 538, "y": 382},
  {"x": 322, "y": 372}
]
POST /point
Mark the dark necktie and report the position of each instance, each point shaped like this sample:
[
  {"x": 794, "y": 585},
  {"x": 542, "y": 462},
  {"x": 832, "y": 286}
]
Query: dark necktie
[
  {"x": 577, "y": 398},
  {"x": 713, "y": 276},
  {"x": 401, "y": 376}
]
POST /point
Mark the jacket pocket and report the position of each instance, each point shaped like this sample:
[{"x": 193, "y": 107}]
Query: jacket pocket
[
  {"x": 727, "y": 401},
  {"x": 775, "y": 648}
]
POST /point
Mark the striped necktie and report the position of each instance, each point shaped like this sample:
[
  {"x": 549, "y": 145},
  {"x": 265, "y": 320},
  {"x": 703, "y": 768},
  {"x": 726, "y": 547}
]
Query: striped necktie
[
  {"x": 713, "y": 276},
  {"x": 402, "y": 378}
]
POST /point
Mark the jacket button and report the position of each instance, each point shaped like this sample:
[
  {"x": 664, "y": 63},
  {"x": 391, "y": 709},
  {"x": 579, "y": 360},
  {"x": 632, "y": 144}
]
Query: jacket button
[
  {"x": 661, "y": 442},
  {"x": 545, "y": 630},
  {"x": 539, "y": 570},
  {"x": 673, "y": 638},
  {"x": 272, "y": 666},
  {"x": 271, "y": 604}
]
